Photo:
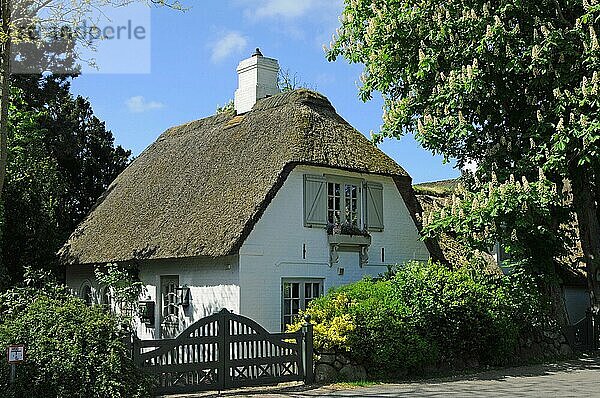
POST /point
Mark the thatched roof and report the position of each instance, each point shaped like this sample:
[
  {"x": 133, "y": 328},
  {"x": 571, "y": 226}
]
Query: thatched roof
[
  {"x": 437, "y": 188},
  {"x": 200, "y": 188}
]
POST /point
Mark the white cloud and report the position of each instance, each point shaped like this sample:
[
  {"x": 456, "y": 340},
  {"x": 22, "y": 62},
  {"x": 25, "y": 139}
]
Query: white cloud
[
  {"x": 290, "y": 9},
  {"x": 139, "y": 104},
  {"x": 231, "y": 43},
  {"x": 282, "y": 8}
]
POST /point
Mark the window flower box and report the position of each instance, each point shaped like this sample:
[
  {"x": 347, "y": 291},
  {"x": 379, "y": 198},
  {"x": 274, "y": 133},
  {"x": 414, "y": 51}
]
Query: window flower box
[
  {"x": 349, "y": 240},
  {"x": 346, "y": 229}
]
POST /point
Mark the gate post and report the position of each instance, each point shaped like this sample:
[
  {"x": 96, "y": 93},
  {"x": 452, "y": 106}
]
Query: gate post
[
  {"x": 307, "y": 352},
  {"x": 135, "y": 354},
  {"x": 589, "y": 330},
  {"x": 223, "y": 349},
  {"x": 596, "y": 330}
]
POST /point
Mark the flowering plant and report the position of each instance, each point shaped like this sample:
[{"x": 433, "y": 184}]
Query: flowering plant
[{"x": 519, "y": 215}]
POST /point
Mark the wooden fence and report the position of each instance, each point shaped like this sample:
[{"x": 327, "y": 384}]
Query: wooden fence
[{"x": 224, "y": 351}]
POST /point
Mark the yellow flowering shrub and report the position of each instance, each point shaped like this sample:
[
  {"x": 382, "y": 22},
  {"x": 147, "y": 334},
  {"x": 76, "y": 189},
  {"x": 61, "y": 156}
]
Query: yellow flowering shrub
[{"x": 332, "y": 323}]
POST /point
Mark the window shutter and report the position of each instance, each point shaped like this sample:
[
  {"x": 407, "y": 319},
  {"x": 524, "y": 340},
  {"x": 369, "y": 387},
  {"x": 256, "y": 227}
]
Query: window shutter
[
  {"x": 315, "y": 201},
  {"x": 374, "y": 193}
]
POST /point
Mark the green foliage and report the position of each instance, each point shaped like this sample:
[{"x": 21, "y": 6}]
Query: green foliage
[
  {"x": 123, "y": 283},
  {"x": 4, "y": 279},
  {"x": 520, "y": 215},
  {"x": 61, "y": 159},
  {"x": 35, "y": 283},
  {"x": 500, "y": 83},
  {"x": 72, "y": 350},
  {"x": 227, "y": 108},
  {"x": 426, "y": 315}
]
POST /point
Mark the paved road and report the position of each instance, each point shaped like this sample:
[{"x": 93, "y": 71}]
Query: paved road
[{"x": 578, "y": 378}]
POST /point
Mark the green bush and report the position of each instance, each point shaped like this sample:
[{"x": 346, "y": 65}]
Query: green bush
[
  {"x": 73, "y": 350},
  {"x": 428, "y": 316}
]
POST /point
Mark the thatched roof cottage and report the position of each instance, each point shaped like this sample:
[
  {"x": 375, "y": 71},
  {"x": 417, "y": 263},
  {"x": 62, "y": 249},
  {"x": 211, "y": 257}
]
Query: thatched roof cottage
[{"x": 258, "y": 210}]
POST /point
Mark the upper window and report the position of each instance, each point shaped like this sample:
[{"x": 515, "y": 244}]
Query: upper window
[
  {"x": 342, "y": 203},
  {"x": 342, "y": 200}
]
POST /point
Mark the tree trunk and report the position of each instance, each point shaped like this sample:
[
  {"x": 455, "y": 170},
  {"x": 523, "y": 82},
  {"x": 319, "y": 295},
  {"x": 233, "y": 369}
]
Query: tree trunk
[
  {"x": 5, "y": 57},
  {"x": 589, "y": 227},
  {"x": 557, "y": 302}
]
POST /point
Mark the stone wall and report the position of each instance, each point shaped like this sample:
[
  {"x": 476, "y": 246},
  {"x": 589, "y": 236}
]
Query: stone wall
[
  {"x": 332, "y": 366},
  {"x": 546, "y": 345}
]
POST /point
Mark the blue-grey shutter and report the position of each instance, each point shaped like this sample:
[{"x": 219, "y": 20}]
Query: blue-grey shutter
[
  {"x": 374, "y": 209},
  {"x": 315, "y": 201}
]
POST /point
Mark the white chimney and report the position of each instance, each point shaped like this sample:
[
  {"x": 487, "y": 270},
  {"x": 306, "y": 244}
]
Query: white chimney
[{"x": 257, "y": 78}]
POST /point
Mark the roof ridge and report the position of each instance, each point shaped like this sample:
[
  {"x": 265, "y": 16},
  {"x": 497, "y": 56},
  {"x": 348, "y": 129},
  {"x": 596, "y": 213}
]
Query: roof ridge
[{"x": 301, "y": 95}]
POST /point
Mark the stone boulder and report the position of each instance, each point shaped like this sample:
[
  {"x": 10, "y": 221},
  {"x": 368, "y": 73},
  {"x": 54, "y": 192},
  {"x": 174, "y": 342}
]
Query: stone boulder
[
  {"x": 325, "y": 373},
  {"x": 353, "y": 373}
]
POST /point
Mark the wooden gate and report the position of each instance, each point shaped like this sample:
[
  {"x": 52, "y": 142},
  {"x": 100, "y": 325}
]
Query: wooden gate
[
  {"x": 585, "y": 334},
  {"x": 224, "y": 351}
]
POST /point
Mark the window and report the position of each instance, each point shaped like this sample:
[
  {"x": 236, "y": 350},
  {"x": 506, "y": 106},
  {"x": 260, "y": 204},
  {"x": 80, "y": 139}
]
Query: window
[
  {"x": 297, "y": 294},
  {"x": 105, "y": 298},
  {"x": 86, "y": 293},
  {"x": 346, "y": 194},
  {"x": 333, "y": 203},
  {"x": 351, "y": 204},
  {"x": 330, "y": 199},
  {"x": 168, "y": 290}
]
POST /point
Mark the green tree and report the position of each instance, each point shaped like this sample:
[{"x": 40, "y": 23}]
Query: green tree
[
  {"x": 27, "y": 200},
  {"x": 17, "y": 17},
  {"x": 509, "y": 85},
  {"x": 61, "y": 159}
]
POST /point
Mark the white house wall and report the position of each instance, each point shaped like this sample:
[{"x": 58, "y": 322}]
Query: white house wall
[
  {"x": 274, "y": 248},
  {"x": 78, "y": 275},
  {"x": 213, "y": 283}
]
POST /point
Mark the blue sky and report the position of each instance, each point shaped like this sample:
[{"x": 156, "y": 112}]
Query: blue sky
[{"x": 193, "y": 58}]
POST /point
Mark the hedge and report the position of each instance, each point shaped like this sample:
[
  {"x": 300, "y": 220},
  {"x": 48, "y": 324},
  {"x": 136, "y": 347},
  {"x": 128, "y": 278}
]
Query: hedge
[
  {"x": 73, "y": 350},
  {"x": 429, "y": 316}
]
